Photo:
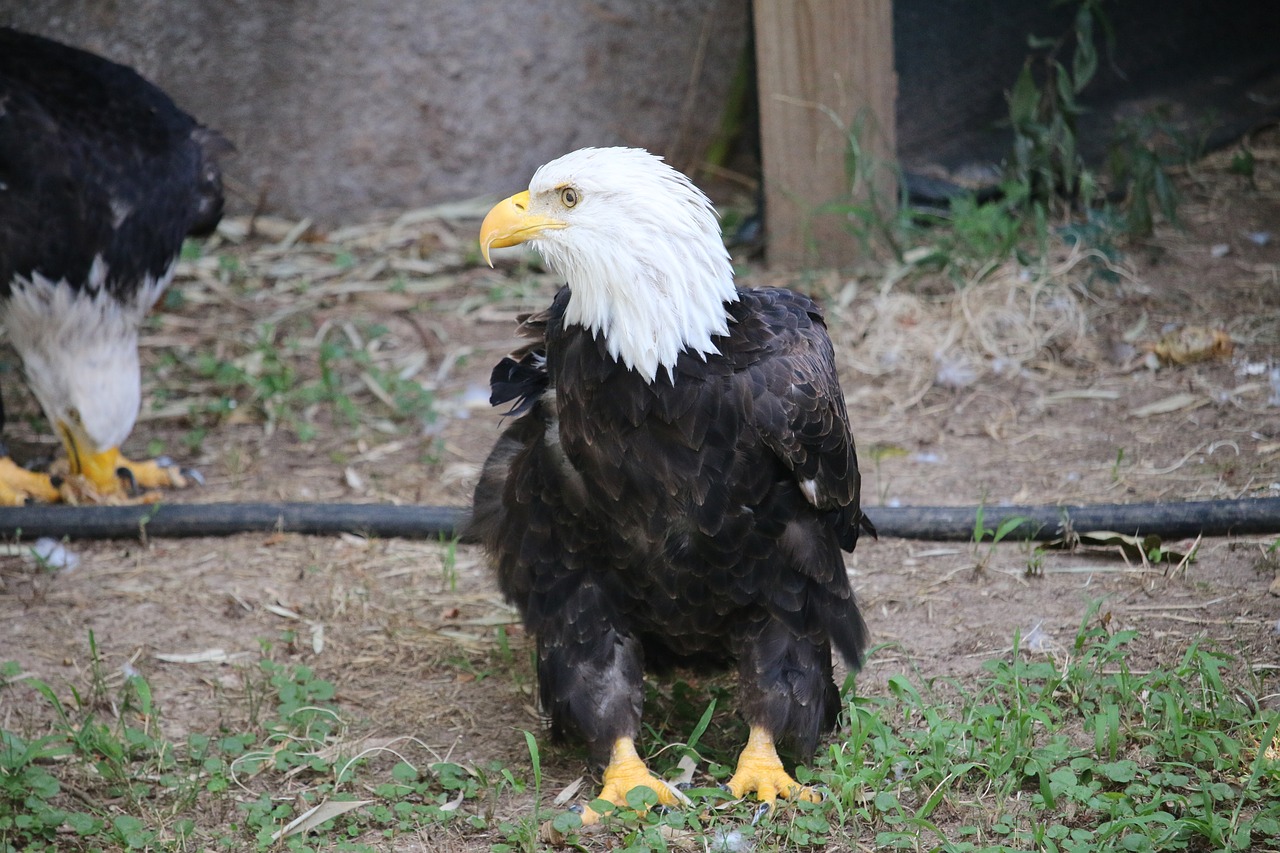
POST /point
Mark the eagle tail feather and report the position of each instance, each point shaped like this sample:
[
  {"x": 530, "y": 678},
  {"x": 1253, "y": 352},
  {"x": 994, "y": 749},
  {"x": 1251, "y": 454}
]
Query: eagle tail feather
[{"x": 850, "y": 522}]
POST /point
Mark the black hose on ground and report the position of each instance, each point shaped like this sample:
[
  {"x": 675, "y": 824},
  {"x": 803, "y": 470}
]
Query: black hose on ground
[
  {"x": 224, "y": 519},
  {"x": 1176, "y": 520}
]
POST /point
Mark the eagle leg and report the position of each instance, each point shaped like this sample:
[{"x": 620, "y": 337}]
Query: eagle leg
[
  {"x": 786, "y": 692},
  {"x": 625, "y": 772},
  {"x": 760, "y": 771},
  {"x": 17, "y": 484}
]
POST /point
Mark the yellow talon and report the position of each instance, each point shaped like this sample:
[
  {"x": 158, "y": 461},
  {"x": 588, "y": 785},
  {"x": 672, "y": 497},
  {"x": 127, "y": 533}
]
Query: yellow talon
[
  {"x": 96, "y": 478},
  {"x": 152, "y": 475},
  {"x": 760, "y": 770},
  {"x": 625, "y": 772},
  {"x": 17, "y": 484},
  {"x": 100, "y": 470}
]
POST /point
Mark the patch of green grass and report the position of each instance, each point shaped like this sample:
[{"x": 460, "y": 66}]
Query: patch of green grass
[
  {"x": 1080, "y": 752},
  {"x": 990, "y": 537},
  {"x": 449, "y": 564},
  {"x": 1067, "y": 756},
  {"x": 1077, "y": 755},
  {"x": 1117, "y": 467},
  {"x": 287, "y": 379},
  {"x": 522, "y": 833},
  {"x": 103, "y": 777}
]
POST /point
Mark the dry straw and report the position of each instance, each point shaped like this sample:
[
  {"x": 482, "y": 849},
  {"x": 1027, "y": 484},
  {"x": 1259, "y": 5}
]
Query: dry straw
[{"x": 1006, "y": 320}]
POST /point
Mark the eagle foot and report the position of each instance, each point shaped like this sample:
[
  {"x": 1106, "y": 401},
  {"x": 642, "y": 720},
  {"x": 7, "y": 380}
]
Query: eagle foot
[
  {"x": 760, "y": 771},
  {"x": 108, "y": 477},
  {"x": 627, "y": 772},
  {"x": 158, "y": 473},
  {"x": 18, "y": 486}
]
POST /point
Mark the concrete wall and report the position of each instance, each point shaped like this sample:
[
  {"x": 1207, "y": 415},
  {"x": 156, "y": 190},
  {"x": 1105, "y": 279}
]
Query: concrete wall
[{"x": 343, "y": 107}]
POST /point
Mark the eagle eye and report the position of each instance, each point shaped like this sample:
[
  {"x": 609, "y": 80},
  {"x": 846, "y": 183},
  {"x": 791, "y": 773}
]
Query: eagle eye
[{"x": 568, "y": 196}]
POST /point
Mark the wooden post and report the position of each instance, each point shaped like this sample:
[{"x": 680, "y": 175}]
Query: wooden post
[{"x": 825, "y": 70}]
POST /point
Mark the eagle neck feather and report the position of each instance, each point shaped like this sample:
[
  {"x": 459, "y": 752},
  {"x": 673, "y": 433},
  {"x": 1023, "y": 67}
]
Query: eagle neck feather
[
  {"x": 648, "y": 308},
  {"x": 79, "y": 346}
]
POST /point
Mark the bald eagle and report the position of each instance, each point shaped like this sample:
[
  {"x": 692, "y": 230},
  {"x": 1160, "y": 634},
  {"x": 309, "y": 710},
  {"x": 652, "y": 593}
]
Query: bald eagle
[
  {"x": 681, "y": 479},
  {"x": 101, "y": 178}
]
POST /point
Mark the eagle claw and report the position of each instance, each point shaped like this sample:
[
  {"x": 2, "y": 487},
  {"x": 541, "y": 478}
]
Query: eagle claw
[
  {"x": 158, "y": 473},
  {"x": 126, "y": 476}
]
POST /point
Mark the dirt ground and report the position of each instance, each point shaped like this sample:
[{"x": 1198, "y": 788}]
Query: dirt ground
[{"x": 943, "y": 411}]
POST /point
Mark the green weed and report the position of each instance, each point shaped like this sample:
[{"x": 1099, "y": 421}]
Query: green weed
[
  {"x": 286, "y": 379},
  {"x": 1080, "y": 755},
  {"x": 991, "y": 537},
  {"x": 1118, "y": 465},
  {"x": 1065, "y": 754},
  {"x": 1048, "y": 191},
  {"x": 107, "y": 742}
]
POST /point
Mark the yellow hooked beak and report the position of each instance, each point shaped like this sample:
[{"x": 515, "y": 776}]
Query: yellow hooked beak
[{"x": 510, "y": 223}]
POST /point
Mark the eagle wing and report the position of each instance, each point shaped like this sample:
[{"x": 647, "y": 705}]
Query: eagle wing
[{"x": 783, "y": 350}]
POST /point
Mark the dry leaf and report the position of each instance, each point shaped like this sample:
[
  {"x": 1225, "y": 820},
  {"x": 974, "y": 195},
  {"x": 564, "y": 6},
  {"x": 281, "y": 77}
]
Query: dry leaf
[
  {"x": 1170, "y": 404},
  {"x": 570, "y": 791},
  {"x": 313, "y": 817},
  {"x": 207, "y": 656},
  {"x": 1082, "y": 394},
  {"x": 1191, "y": 344},
  {"x": 688, "y": 766},
  {"x": 1142, "y": 549},
  {"x": 453, "y": 804},
  {"x": 282, "y": 612},
  {"x": 354, "y": 481}
]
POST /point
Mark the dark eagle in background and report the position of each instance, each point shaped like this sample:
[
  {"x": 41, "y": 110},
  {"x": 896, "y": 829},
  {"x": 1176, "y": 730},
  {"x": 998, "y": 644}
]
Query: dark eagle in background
[
  {"x": 681, "y": 479},
  {"x": 101, "y": 178}
]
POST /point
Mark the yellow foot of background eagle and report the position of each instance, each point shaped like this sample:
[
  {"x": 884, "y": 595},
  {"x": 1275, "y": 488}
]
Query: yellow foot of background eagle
[
  {"x": 18, "y": 485},
  {"x": 158, "y": 473},
  {"x": 109, "y": 477},
  {"x": 760, "y": 771}
]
